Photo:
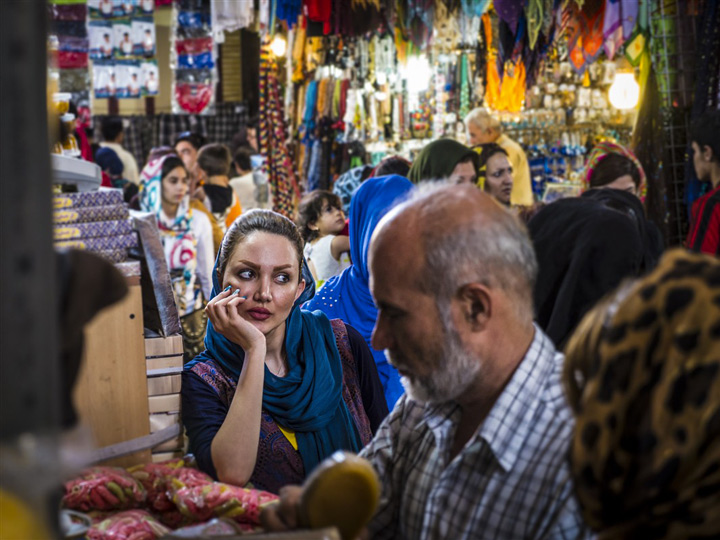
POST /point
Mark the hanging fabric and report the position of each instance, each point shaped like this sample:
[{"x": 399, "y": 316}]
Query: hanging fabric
[
  {"x": 272, "y": 134},
  {"x": 230, "y": 15},
  {"x": 534, "y": 17}
]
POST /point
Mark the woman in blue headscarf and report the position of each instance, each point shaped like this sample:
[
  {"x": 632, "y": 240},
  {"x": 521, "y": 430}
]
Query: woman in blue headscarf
[
  {"x": 347, "y": 296},
  {"x": 277, "y": 389}
]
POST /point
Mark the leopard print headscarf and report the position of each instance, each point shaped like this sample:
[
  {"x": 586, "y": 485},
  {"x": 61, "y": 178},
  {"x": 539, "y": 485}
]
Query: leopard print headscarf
[{"x": 643, "y": 375}]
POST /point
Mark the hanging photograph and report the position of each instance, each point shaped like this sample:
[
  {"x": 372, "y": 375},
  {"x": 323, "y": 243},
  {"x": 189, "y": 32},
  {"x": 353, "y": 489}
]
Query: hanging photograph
[
  {"x": 122, "y": 39},
  {"x": 143, "y": 32},
  {"x": 101, "y": 40},
  {"x": 104, "y": 79},
  {"x": 146, "y": 7},
  {"x": 149, "y": 78},
  {"x": 101, "y": 9},
  {"x": 128, "y": 79}
]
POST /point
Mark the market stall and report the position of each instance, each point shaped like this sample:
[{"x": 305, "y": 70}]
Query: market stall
[
  {"x": 339, "y": 85},
  {"x": 560, "y": 76}
]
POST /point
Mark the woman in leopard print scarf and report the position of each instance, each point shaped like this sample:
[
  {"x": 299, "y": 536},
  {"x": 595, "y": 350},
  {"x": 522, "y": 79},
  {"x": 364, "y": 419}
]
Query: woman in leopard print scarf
[{"x": 643, "y": 376}]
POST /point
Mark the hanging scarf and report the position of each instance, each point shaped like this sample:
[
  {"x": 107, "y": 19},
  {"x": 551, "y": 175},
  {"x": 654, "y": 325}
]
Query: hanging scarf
[
  {"x": 612, "y": 28},
  {"x": 437, "y": 160},
  {"x": 605, "y": 148},
  {"x": 178, "y": 241},
  {"x": 585, "y": 33},
  {"x": 509, "y": 11},
  {"x": 642, "y": 375},
  {"x": 534, "y": 17},
  {"x": 347, "y": 296},
  {"x": 308, "y": 400}
]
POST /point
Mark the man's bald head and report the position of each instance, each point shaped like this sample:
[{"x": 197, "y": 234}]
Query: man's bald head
[{"x": 458, "y": 235}]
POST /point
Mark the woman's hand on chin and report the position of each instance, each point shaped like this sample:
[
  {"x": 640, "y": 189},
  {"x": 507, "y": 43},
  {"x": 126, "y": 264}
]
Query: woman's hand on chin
[{"x": 223, "y": 313}]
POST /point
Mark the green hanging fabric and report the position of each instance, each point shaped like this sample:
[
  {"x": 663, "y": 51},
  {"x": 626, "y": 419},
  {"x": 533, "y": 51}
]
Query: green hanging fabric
[
  {"x": 638, "y": 41},
  {"x": 464, "y": 87},
  {"x": 534, "y": 17}
]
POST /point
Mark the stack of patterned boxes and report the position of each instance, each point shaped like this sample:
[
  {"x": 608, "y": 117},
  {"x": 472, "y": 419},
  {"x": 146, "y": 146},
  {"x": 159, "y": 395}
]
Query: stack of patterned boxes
[
  {"x": 164, "y": 359},
  {"x": 96, "y": 221}
]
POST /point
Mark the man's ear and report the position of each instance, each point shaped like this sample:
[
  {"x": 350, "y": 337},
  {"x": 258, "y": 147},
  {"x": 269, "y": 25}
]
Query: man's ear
[
  {"x": 476, "y": 305},
  {"x": 706, "y": 152}
]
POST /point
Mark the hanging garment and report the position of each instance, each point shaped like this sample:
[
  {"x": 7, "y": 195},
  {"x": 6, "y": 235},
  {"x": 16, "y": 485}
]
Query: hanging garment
[
  {"x": 231, "y": 15},
  {"x": 585, "y": 33},
  {"x": 510, "y": 12}
]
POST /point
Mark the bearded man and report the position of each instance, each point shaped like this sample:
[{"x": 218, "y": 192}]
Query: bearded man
[{"x": 477, "y": 447}]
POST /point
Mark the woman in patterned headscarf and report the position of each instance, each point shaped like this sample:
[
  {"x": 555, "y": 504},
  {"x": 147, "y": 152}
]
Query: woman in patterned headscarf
[
  {"x": 613, "y": 166},
  {"x": 186, "y": 235},
  {"x": 643, "y": 376}
]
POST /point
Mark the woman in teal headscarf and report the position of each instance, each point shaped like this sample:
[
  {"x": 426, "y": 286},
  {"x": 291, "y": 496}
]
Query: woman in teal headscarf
[
  {"x": 277, "y": 389},
  {"x": 445, "y": 159}
]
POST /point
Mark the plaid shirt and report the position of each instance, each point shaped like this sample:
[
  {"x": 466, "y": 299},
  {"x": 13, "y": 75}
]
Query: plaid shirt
[{"x": 511, "y": 480}]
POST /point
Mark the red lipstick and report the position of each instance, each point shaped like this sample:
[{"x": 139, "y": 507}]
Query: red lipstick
[{"x": 259, "y": 314}]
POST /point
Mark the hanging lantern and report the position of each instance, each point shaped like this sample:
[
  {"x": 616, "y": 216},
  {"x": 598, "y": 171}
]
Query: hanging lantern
[{"x": 624, "y": 92}]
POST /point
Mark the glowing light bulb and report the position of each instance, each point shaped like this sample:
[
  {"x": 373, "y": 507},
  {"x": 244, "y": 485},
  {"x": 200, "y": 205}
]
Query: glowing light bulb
[
  {"x": 624, "y": 92},
  {"x": 278, "y": 46},
  {"x": 418, "y": 73}
]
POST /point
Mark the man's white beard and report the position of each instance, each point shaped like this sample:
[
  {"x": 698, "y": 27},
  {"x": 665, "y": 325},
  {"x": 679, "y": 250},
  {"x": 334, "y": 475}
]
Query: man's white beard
[{"x": 458, "y": 371}]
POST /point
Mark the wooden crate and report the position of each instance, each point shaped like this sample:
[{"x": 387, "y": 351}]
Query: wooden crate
[
  {"x": 111, "y": 390},
  {"x": 164, "y": 364}
]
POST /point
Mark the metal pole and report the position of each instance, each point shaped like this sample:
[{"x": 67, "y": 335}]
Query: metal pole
[{"x": 29, "y": 371}]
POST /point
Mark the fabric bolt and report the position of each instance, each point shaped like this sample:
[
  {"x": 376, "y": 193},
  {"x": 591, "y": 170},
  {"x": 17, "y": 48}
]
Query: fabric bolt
[
  {"x": 207, "y": 391},
  {"x": 186, "y": 239},
  {"x": 72, "y": 59},
  {"x": 511, "y": 480},
  {"x": 68, "y": 12},
  {"x": 437, "y": 160},
  {"x": 347, "y": 296},
  {"x": 74, "y": 28},
  {"x": 308, "y": 400},
  {"x": 645, "y": 455},
  {"x": 73, "y": 44}
]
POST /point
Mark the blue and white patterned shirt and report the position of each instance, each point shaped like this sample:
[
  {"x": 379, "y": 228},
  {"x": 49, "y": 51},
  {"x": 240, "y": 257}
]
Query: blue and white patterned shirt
[{"x": 511, "y": 480}]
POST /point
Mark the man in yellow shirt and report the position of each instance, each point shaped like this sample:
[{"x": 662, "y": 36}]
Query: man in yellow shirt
[{"x": 484, "y": 128}]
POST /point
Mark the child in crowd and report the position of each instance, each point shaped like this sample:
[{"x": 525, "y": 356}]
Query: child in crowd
[{"x": 321, "y": 219}]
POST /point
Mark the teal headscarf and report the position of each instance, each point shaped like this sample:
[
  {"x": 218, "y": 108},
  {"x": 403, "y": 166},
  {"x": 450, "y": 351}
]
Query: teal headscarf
[
  {"x": 308, "y": 400},
  {"x": 437, "y": 160}
]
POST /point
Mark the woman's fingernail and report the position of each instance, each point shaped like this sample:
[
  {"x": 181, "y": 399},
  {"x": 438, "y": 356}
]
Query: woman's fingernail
[
  {"x": 237, "y": 291},
  {"x": 244, "y": 297},
  {"x": 227, "y": 288}
]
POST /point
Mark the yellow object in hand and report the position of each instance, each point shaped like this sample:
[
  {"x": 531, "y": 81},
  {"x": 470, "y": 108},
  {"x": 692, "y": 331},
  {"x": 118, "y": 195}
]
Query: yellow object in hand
[{"x": 343, "y": 492}]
